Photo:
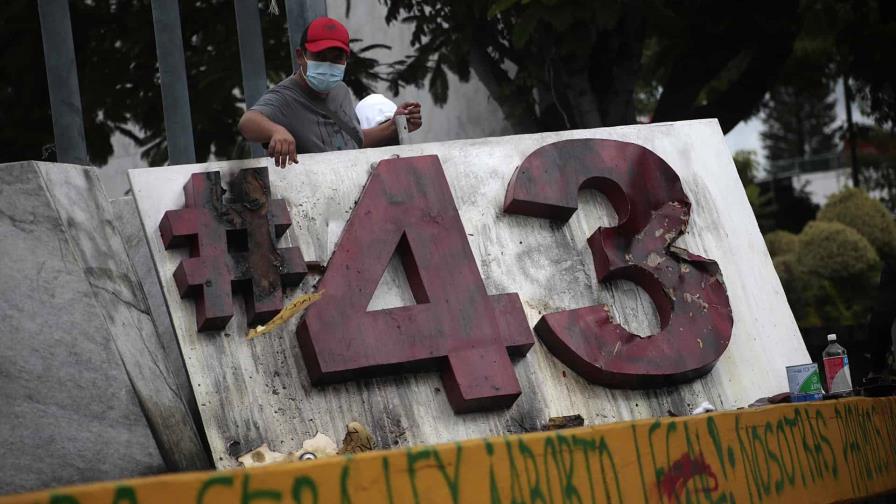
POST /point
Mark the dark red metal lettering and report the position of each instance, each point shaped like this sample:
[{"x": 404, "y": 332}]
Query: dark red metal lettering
[
  {"x": 653, "y": 210},
  {"x": 232, "y": 247},
  {"x": 455, "y": 326}
]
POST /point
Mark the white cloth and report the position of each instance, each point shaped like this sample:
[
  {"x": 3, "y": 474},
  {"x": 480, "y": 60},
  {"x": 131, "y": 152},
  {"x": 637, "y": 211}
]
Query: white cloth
[
  {"x": 374, "y": 109},
  {"x": 704, "y": 407}
]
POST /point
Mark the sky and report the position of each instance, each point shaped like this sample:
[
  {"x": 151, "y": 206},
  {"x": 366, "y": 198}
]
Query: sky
[{"x": 745, "y": 136}]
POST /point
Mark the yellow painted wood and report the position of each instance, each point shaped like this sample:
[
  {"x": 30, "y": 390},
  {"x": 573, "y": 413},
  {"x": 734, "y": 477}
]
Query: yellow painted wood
[{"x": 809, "y": 452}]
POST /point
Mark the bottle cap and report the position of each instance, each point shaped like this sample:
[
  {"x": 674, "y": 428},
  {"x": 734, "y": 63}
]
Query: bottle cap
[{"x": 832, "y": 337}]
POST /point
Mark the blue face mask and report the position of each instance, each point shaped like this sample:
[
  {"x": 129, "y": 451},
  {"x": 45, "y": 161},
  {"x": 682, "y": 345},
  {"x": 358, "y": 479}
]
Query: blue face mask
[{"x": 323, "y": 76}]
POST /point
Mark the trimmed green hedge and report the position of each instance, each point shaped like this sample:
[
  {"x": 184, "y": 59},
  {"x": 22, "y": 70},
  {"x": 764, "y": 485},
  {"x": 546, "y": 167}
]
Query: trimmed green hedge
[
  {"x": 866, "y": 215},
  {"x": 781, "y": 243},
  {"x": 831, "y": 269},
  {"x": 835, "y": 251}
]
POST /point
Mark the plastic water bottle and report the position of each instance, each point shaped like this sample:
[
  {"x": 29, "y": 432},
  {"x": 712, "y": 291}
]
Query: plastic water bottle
[{"x": 836, "y": 368}]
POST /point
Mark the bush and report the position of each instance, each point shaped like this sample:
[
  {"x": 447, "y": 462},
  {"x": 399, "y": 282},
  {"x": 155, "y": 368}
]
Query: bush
[
  {"x": 868, "y": 216},
  {"x": 780, "y": 243},
  {"x": 785, "y": 266},
  {"x": 830, "y": 275},
  {"x": 807, "y": 295},
  {"x": 834, "y": 251}
]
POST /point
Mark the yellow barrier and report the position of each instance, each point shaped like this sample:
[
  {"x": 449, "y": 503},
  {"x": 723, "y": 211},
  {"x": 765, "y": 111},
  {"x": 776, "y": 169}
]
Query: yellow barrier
[{"x": 809, "y": 452}]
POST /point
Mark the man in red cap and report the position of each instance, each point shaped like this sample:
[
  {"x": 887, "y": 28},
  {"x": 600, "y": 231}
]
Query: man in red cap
[{"x": 313, "y": 110}]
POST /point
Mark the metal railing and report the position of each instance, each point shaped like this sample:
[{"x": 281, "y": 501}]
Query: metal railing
[
  {"x": 62, "y": 70},
  {"x": 796, "y": 166}
]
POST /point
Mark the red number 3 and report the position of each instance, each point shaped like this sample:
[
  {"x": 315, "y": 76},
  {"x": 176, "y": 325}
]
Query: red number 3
[{"x": 653, "y": 210}]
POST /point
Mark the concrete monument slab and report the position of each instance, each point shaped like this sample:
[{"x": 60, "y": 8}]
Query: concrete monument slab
[{"x": 258, "y": 391}]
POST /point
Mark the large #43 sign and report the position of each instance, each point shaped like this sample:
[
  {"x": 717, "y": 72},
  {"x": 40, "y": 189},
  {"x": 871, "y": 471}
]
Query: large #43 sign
[{"x": 468, "y": 335}]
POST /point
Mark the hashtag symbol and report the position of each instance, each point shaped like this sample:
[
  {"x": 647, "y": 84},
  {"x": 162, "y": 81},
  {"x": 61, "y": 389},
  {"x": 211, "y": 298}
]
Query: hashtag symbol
[{"x": 232, "y": 247}]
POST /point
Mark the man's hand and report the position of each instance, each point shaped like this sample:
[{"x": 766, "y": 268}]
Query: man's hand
[
  {"x": 386, "y": 133},
  {"x": 255, "y": 127},
  {"x": 282, "y": 147},
  {"x": 413, "y": 112}
]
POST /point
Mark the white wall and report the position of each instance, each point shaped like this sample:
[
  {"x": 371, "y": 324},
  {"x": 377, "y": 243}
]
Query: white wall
[
  {"x": 114, "y": 174},
  {"x": 469, "y": 112},
  {"x": 821, "y": 185}
]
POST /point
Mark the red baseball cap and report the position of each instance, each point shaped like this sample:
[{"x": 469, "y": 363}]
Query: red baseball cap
[{"x": 324, "y": 33}]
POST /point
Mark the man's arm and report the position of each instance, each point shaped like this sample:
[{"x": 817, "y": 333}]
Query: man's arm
[
  {"x": 381, "y": 135},
  {"x": 386, "y": 133},
  {"x": 255, "y": 127}
]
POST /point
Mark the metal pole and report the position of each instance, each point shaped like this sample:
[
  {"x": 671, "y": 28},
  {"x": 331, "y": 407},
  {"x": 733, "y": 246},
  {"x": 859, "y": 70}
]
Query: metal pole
[
  {"x": 255, "y": 82},
  {"x": 851, "y": 130},
  {"x": 62, "y": 81},
  {"x": 173, "y": 73},
  {"x": 298, "y": 14}
]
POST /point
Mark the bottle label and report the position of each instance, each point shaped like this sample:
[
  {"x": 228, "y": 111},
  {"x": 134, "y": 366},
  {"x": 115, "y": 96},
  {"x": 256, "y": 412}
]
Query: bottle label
[{"x": 836, "y": 370}]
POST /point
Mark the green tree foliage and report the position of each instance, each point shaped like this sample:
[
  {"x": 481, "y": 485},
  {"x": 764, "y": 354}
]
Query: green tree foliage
[
  {"x": 793, "y": 205},
  {"x": 829, "y": 277},
  {"x": 799, "y": 113},
  {"x": 839, "y": 42},
  {"x": 830, "y": 271},
  {"x": 865, "y": 33},
  {"x": 836, "y": 271},
  {"x": 549, "y": 64},
  {"x": 555, "y": 64},
  {"x": 776, "y": 204},
  {"x": 781, "y": 243},
  {"x": 762, "y": 203},
  {"x": 799, "y": 121},
  {"x": 559, "y": 64},
  {"x": 119, "y": 78},
  {"x": 866, "y": 215},
  {"x": 877, "y": 162},
  {"x": 835, "y": 251}
]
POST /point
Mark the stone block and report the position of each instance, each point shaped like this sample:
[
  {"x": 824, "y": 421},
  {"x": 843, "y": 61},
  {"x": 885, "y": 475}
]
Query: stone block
[{"x": 74, "y": 317}]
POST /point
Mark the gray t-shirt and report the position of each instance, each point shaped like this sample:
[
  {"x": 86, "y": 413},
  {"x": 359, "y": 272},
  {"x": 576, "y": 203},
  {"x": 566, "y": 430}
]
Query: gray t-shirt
[{"x": 303, "y": 115}]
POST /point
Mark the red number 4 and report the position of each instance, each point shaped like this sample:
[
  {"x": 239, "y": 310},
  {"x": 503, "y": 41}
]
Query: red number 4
[{"x": 455, "y": 326}]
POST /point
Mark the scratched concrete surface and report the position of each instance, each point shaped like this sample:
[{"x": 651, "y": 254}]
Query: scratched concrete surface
[
  {"x": 255, "y": 392},
  {"x": 68, "y": 410}
]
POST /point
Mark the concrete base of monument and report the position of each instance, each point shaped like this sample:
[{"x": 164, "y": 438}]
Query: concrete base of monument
[
  {"x": 69, "y": 413},
  {"x": 83, "y": 379},
  {"x": 255, "y": 392}
]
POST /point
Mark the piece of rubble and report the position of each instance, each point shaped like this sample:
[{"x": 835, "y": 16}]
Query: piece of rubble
[
  {"x": 262, "y": 456},
  {"x": 319, "y": 446},
  {"x": 564, "y": 422},
  {"x": 357, "y": 439}
]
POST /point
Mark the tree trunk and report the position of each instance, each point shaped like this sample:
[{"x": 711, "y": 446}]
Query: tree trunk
[
  {"x": 550, "y": 113},
  {"x": 616, "y": 66},
  {"x": 742, "y": 97},
  {"x": 851, "y": 133},
  {"x": 696, "y": 67},
  {"x": 582, "y": 111},
  {"x": 500, "y": 87},
  {"x": 774, "y": 38}
]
